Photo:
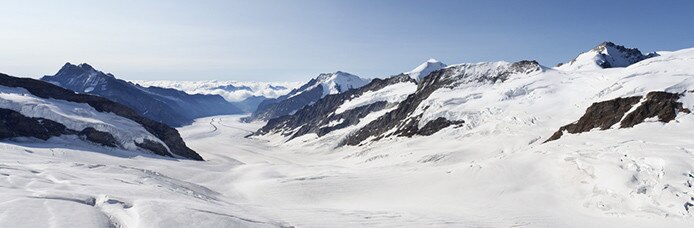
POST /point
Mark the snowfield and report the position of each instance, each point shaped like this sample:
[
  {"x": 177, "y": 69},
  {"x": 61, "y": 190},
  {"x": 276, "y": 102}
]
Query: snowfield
[
  {"x": 391, "y": 94},
  {"x": 588, "y": 180}
]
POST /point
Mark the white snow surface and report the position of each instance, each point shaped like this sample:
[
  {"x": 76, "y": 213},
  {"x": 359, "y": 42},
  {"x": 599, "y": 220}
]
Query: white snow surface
[
  {"x": 334, "y": 83},
  {"x": 266, "y": 89},
  {"x": 424, "y": 69},
  {"x": 339, "y": 82},
  {"x": 75, "y": 116},
  {"x": 394, "y": 93}
]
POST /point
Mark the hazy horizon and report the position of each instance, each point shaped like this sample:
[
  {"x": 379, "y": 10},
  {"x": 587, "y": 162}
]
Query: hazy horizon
[{"x": 294, "y": 41}]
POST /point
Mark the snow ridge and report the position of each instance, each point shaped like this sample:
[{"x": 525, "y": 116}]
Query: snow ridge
[
  {"x": 606, "y": 55},
  {"x": 425, "y": 69}
]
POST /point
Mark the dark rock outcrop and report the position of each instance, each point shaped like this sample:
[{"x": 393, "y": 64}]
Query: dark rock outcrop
[
  {"x": 98, "y": 137},
  {"x": 316, "y": 118},
  {"x": 172, "y": 107},
  {"x": 46, "y": 90},
  {"x": 401, "y": 118},
  {"x": 152, "y": 146},
  {"x": 605, "y": 114},
  {"x": 13, "y": 124},
  {"x": 285, "y": 105},
  {"x": 599, "y": 115},
  {"x": 663, "y": 105}
]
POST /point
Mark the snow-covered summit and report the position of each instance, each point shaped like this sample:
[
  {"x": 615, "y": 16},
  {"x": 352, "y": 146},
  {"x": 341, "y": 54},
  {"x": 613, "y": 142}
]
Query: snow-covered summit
[
  {"x": 605, "y": 55},
  {"x": 338, "y": 82},
  {"x": 425, "y": 69}
]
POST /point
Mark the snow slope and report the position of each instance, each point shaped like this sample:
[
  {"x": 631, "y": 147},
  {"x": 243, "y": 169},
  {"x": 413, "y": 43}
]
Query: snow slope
[
  {"x": 425, "y": 69},
  {"x": 332, "y": 83},
  {"x": 392, "y": 94},
  {"x": 67, "y": 184},
  {"x": 444, "y": 181},
  {"x": 75, "y": 116},
  {"x": 605, "y": 55},
  {"x": 453, "y": 180},
  {"x": 231, "y": 90}
]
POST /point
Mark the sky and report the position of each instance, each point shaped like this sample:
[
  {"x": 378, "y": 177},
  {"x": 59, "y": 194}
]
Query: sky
[{"x": 282, "y": 40}]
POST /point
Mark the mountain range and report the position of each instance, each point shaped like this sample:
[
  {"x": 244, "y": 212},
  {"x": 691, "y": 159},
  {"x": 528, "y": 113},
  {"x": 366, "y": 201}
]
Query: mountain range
[
  {"x": 172, "y": 107},
  {"x": 470, "y": 95}
]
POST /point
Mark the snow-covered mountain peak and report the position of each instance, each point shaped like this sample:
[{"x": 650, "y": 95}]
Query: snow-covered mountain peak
[
  {"x": 606, "y": 55},
  {"x": 338, "y": 82},
  {"x": 425, "y": 69}
]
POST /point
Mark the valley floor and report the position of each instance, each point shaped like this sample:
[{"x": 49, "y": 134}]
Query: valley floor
[{"x": 259, "y": 182}]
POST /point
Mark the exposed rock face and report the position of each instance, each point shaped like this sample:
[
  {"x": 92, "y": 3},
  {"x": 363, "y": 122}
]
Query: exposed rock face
[
  {"x": 316, "y": 118},
  {"x": 14, "y": 124},
  {"x": 429, "y": 128},
  {"x": 317, "y": 88},
  {"x": 623, "y": 56},
  {"x": 172, "y": 107},
  {"x": 43, "y": 89},
  {"x": 605, "y": 114},
  {"x": 99, "y": 137},
  {"x": 405, "y": 124},
  {"x": 153, "y": 146},
  {"x": 599, "y": 115},
  {"x": 657, "y": 104}
]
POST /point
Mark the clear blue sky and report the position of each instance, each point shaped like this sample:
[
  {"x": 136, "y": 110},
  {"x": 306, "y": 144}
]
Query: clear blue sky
[{"x": 295, "y": 40}]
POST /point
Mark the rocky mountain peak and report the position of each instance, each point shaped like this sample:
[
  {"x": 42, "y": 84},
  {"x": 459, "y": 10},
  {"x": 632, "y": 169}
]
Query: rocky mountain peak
[
  {"x": 606, "y": 55},
  {"x": 70, "y": 70}
]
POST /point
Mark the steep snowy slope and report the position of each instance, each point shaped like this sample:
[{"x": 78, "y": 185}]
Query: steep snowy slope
[
  {"x": 425, "y": 69},
  {"x": 412, "y": 115},
  {"x": 32, "y": 108},
  {"x": 168, "y": 106},
  {"x": 315, "y": 89},
  {"x": 342, "y": 110},
  {"x": 605, "y": 55}
]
